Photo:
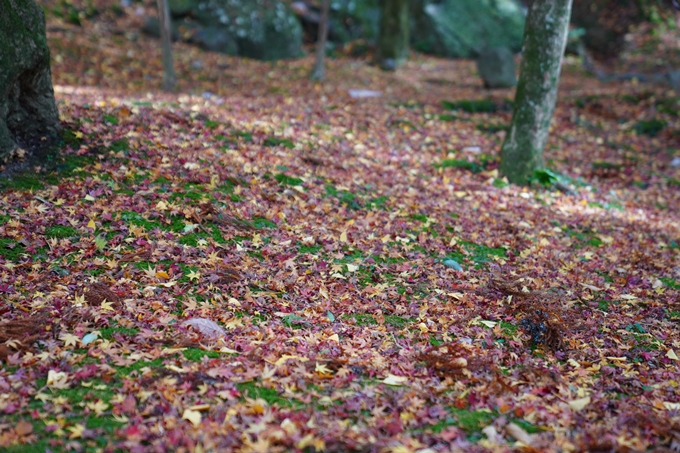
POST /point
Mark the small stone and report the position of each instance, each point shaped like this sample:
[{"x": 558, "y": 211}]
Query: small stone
[
  {"x": 358, "y": 93},
  {"x": 452, "y": 264}
]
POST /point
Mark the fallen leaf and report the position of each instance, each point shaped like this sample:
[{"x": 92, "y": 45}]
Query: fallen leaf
[
  {"x": 579, "y": 404},
  {"x": 391, "y": 379},
  {"x": 193, "y": 416}
]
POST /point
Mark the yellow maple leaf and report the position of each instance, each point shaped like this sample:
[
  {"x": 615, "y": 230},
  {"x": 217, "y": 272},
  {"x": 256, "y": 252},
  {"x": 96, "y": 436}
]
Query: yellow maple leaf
[
  {"x": 76, "y": 431},
  {"x": 69, "y": 339},
  {"x": 579, "y": 404},
  {"x": 193, "y": 416},
  {"x": 107, "y": 306},
  {"x": 322, "y": 369},
  {"x": 98, "y": 406}
]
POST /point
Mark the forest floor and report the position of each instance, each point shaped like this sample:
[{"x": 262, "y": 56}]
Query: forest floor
[{"x": 263, "y": 263}]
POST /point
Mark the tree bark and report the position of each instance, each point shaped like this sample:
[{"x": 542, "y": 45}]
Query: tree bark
[
  {"x": 319, "y": 69},
  {"x": 169, "y": 79},
  {"x": 28, "y": 111},
  {"x": 545, "y": 38},
  {"x": 393, "y": 37}
]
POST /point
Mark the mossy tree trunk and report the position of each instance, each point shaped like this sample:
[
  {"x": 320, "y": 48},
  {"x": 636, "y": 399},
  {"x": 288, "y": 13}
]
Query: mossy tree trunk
[
  {"x": 545, "y": 37},
  {"x": 28, "y": 113},
  {"x": 319, "y": 72},
  {"x": 393, "y": 37},
  {"x": 169, "y": 79}
]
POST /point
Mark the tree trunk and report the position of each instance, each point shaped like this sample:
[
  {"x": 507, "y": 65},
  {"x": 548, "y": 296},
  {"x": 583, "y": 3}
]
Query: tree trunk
[
  {"x": 169, "y": 79},
  {"x": 392, "y": 48},
  {"x": 545, "y": 37},
  {"x": 28, "y": 112},
  {"x": 319, "y": 70}
]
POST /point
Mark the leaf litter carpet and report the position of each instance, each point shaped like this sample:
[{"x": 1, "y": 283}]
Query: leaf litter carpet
[{"x": 264, "y": 263}]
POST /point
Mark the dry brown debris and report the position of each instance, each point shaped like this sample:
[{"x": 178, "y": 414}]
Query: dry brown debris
[
  {"x": 543, "y": 315},
  {"x": 20, "y": 334},
  {"x": 452, "y": 359},
  {"x": 98, "y": 292}
]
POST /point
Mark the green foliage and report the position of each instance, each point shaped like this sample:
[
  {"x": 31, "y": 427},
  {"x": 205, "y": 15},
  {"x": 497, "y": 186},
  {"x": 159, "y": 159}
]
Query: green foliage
[
  {"x": 583, "y": 237},
  {"x": 60, "y": 232},
  {"x": 545, "y": 177},
  {"x": 109, "y": 332},
  {"x": 669, "y": 106},
  {"x": 478, "y": 253},
  {"x": 271, "y": 396},
  {"x": 73, "y": 14},
  {"x": 474, "y": 167},
  {"x": 110, "y": 119},
  {"x": 446, "y": 117},
  {"x": 472, "y": 422},
  {"x": 274, "y": 141},
  {"x": 25, "y": 181},
  {"x": 670, "y": 282},
  {"x": 69, "y": 138},
  {"x": 11, "y": 250},
  {"x": 650, "y": 128},
  {"x": 120, "y": 145},
  {"x": 492, "y": 128},
  {"x": 471, "y": 106},
  {"x": 210, "y": 124},
  {"x": 309, "y": 249},
  {"x": 244, "y": 135},
  {"x": 196, "y": 355},
  {"x": 377, "y": 203},
  {"x": 288, "y": 180},
  {"x": 293, "y": 321},
  {"x": 345, "y": 197},
  {"x": 261, "y": 222},
  {"x": 365, "y": 319}
]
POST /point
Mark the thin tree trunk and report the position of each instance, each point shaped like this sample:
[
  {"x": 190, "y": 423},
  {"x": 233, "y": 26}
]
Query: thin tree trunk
[
  {"x": 393, "y": 38},
  {"x": 169, "y": 79},
  {"x": 545, "y": 37},
  {"x": 319, "y": 72}
]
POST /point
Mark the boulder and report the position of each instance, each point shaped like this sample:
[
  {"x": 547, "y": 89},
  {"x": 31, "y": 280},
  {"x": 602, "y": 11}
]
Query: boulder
[
  {"x": 152, "y": 27},
  {"x": 215, "y": 39},
  {"x": 181, "y": 8},
  {"x": 496, "y": 67},
  {"x": 463, "y": 28},
  {"x": 348, "y": 20},
  {"x": 262, "y": 29},
  {"x": 259, "y": 29}
]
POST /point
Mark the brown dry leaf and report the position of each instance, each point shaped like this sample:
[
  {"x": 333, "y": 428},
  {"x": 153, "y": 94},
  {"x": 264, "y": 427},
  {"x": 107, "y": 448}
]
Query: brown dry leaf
[{"x": 23, "y": 428}]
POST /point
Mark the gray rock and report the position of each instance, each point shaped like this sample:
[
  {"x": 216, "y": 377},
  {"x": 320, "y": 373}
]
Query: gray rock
[
  {"x": 262, "y": 29},
  {"x": 152, "y": 27},
  {"x": 181, "y": 8},
  {"x": 463, "y": 28},
  {"x": 259, "y": 29},
  {"x": 497, "y": 68},
  {"x": 216, "y": 39}
]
